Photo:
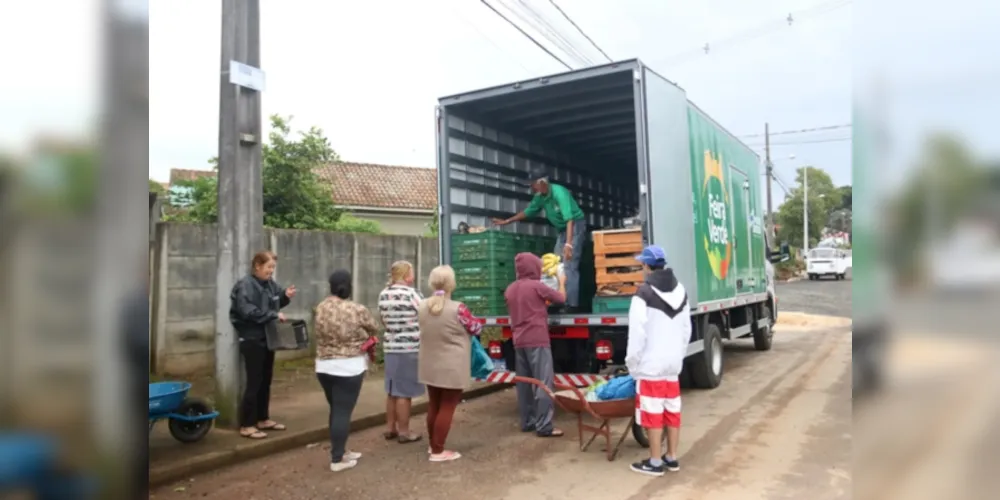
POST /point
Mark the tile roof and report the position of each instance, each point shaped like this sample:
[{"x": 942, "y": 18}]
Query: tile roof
[
  {"x": 365, "y": 184},
  {"x": 381, "y": 186}
]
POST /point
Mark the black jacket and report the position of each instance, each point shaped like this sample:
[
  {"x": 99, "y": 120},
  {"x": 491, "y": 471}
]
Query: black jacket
[{"x": 253, "y": 304}]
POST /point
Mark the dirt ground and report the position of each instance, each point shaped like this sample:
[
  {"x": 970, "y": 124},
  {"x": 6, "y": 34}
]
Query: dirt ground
[{"x": 779, "y": 427}]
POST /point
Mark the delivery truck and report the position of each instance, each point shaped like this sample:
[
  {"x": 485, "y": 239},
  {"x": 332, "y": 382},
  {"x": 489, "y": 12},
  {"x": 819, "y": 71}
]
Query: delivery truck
[{"x": 637, "y": 156}]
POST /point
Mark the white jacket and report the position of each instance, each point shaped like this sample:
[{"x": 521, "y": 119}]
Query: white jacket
[{"x": 659, "y": 328}]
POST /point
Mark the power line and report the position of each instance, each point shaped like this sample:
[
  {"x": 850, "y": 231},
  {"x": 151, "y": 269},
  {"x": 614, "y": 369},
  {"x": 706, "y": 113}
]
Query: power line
[
  {"x": 799, "y": 131},
  {"x": 809, "y": 141},
  {"x": 529, "y": 37},
  {"x": 490, "y": 40},
  {"x": 605, "y": 54},
  {"x": 759, "y": 31},
  {"x": 538, "y": 22}
]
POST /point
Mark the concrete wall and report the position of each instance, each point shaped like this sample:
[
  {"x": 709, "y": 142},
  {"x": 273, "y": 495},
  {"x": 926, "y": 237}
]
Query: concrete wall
[{"x": 182, "y": 302}]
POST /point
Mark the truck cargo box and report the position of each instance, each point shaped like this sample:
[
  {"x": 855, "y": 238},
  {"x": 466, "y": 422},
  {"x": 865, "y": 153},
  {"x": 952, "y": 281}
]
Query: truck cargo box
[{"x": 626, "y": 142}]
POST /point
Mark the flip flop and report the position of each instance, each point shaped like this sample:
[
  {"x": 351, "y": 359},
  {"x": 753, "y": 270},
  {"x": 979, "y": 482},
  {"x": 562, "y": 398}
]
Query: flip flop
[
  {"x": 256, "y": 434},
  {"x": 273, "y": 427},
  {"x": 412, "y": 438},
  {"x": 551, "y": 434},
  {"x": 390, "y": 435}
]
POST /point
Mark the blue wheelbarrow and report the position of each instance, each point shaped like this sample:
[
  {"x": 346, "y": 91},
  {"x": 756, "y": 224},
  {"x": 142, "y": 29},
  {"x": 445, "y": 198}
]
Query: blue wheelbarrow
[{"x": 189, "y": 419}]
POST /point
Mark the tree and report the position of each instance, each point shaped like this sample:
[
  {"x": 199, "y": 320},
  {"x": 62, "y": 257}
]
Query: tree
[
  {"x": 294, "y": 196},
  {"x": 846, "y": 197},
  {"x": 156, "y": 187},
  {"x": 823, "y": 199},
  {"x": 432, "y": 228}
]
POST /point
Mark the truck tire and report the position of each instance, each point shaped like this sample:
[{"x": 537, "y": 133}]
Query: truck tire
[
  {"x": 706, "y": 367},
  {"x": 762, "y": 336}
]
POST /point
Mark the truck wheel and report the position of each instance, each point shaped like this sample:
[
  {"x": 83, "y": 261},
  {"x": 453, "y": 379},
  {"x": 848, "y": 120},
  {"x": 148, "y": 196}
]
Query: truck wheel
[
  {"x": 762, "y": 335},
  {"x": 707, "y": 367}
]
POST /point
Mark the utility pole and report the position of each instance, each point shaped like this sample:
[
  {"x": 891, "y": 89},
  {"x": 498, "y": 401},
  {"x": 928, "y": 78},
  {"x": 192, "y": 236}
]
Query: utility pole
[
  {"x": 769, "y": 173},
  {"x": 805, "y": 210},
  {"x": 241, "y": 211}
]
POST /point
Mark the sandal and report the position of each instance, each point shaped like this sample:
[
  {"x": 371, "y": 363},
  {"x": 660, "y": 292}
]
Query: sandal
[
  {"x": 253, "y": 433},
  {"x": 551, "y": 434},
  {"x": 273, "y": 426},
  {"x": 390, "y": 435},
  {"x": 412, "y": 438}
]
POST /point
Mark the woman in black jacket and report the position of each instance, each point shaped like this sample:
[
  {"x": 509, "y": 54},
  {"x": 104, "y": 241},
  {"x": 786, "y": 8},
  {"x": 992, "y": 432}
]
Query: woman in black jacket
[{"x": 256, "y": 301}]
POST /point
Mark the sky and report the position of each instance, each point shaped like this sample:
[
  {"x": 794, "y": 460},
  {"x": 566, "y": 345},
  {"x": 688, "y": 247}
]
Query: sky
[{"x": 369, "y": 73}]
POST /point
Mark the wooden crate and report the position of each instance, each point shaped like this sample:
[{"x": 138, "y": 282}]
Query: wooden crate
[
  {"x": 607, "y": 278},
  {"x": 617, "y": 241}
]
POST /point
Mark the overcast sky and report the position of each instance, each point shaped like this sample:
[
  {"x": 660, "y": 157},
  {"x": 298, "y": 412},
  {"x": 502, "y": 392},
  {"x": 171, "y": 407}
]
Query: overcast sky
[{"x": 369, "y": 73}]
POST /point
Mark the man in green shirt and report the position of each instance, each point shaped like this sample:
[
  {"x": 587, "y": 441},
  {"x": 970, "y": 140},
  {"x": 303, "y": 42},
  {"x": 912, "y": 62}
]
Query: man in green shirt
[{"x": 565, "y": 215}]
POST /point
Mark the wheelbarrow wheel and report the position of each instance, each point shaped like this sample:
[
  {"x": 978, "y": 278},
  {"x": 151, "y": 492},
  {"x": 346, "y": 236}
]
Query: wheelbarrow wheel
[
  {"x": 640, "y": 435},
  {"x": 189, "y": 432}
]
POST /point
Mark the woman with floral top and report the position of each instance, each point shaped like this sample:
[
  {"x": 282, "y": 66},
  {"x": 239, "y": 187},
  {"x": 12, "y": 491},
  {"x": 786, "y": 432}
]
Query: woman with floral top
[
  {"x": 445, "y": 353},
  {"x": 398, "y": 305},
  {"x": 342, "y": 328}
]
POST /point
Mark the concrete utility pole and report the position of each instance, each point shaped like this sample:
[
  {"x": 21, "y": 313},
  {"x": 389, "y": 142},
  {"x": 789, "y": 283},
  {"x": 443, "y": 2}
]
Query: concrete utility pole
[
  {"x": 769, "y": 174},
  {"x": 241, "y": 211},
  {"x": 805, "y": 210}
]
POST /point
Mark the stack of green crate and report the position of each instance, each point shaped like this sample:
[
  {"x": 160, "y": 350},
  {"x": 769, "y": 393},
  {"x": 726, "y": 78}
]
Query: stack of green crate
[{"x": 484, "y": 266}]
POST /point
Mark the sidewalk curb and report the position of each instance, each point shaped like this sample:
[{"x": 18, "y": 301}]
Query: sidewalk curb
[{"x": 159, "y": 476}]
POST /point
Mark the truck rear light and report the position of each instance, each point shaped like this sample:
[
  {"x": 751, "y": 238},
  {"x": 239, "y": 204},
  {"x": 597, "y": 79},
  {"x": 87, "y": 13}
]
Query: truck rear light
[
  {"x": 603, "y": 350},
  {"x": 495, "y": 349}
]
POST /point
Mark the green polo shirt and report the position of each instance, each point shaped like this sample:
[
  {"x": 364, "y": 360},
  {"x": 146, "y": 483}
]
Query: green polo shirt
[{"x": 556, "y": 204}]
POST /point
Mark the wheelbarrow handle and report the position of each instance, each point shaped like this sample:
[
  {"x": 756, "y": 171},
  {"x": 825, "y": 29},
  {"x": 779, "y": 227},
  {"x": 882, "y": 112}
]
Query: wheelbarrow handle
[{"x": 562, "y": 387}]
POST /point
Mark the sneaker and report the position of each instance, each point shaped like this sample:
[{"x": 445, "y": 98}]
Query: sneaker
[
  {"x": 645, "y": 467},
  {"x": 445, "y": 456},
  {"x": 352, "y": 455},
  {"x": 343, "y": 465},
  {"x": 671, "y": 465}
]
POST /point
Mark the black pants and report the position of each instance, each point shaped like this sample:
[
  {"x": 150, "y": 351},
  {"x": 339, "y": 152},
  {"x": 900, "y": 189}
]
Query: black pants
[
  {"x": 259, "y": 363},
  {"x": 342, "y": 394}
]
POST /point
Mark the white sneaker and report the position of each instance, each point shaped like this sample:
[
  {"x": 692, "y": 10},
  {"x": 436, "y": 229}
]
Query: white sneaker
[
  {"x": 446, "y": 456},
  {"x": 343, "y": 465},
  {"x": 352, "y": 455}
]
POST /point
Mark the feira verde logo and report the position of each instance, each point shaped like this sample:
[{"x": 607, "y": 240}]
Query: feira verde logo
[{"x": 715, "y": 226}]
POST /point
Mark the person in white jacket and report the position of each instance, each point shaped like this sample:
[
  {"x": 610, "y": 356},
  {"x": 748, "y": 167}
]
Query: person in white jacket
[{"x": 659, "y": 330}]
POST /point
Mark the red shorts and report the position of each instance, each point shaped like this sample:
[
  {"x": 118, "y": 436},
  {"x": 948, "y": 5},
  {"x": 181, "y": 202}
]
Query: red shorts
[{"x": 658, "y": 403}]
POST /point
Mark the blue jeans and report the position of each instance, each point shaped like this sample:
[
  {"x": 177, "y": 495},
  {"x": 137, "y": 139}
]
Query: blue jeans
[{"x": 572, "y": 268}]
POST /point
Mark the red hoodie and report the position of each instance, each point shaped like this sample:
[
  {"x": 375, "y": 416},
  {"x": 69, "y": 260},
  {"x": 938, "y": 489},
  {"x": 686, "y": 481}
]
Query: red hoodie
[{"x": 526, "y": 302}]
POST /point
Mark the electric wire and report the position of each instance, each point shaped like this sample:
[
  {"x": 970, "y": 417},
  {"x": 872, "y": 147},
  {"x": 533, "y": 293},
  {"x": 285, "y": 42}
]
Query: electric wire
[
  {"x": 489, "y": 39},
  {"x": 553, "y": 37},
  {"x": 592, "y": 42},
  {"x": 799, "y": 131},
  {"x": 526, "y": 35}
]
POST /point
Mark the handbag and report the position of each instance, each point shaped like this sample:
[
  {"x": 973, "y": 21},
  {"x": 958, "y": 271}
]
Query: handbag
[{"x": 482, "y": 365}]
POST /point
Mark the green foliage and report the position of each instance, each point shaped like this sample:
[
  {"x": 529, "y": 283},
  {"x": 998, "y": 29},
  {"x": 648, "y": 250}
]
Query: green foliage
[
  {"x": 824, "y": 197},
  {"x": 294, "y": 196},
  {"x": 846, "y": 197},
  {"x": 432, "y": 230},
  {"x": 156, "y": 187},
  {"x": 63, "y": 180}
]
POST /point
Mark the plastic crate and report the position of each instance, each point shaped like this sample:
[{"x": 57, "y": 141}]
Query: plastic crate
[
  {"x": 615, "y": 304},
  {"x": 484, "y": 274},
  {"x": 489, "y": 245},
  {"x": 483, "y": 301},
  {"x": 290, "y": 336}
]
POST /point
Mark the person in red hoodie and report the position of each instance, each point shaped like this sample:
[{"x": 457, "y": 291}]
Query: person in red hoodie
[{"x": 527, "y": 302}]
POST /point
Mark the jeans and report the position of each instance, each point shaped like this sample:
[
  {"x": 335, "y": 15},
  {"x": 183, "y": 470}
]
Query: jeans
[
  {"x": 259, "y": 363},
  {"x": 342, "y": 394},
  {"x": 572, "y": 268}
]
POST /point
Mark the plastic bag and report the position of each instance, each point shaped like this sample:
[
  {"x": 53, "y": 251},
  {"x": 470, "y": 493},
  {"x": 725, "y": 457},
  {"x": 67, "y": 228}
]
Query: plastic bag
[
  {"x": 482, "y": 364},
  {"x": 617, "y": 388}
]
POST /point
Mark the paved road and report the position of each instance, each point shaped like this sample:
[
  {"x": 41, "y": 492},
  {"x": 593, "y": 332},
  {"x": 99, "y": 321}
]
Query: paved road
[
  {"x": 827, "y": 297},
  {"x": 778, "y": 428}
]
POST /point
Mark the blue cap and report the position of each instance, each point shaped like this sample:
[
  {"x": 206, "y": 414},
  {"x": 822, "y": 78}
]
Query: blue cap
[{"x": 653, "y": 255}]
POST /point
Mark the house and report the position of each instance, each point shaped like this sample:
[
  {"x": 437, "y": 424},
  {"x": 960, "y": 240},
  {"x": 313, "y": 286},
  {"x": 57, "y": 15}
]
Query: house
[{"x": 402, "y": 199}]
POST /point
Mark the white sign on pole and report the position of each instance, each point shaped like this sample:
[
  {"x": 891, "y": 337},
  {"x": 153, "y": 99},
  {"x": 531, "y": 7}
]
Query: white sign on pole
[{"x": 246, "y": 76}]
